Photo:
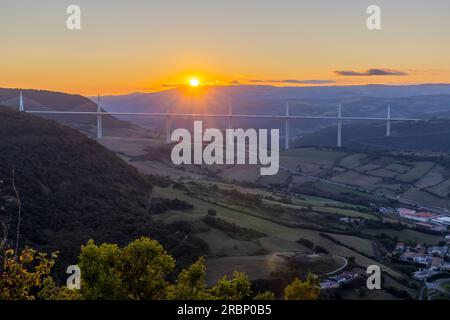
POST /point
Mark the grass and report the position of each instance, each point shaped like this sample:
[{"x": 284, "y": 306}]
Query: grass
[
  {"x": 446, "y": 286},
  {"x": 357, "y": 179},
  {"x": 398, "y": 167},
  {"x": 256, "y": 267},
  {"x": 321, "y": 156},
  {"x": 360, "y": 244},
  {"x": 347, "y": 213},
  {"x": 432, "y": 178},
  {"x": 407, "y": 235},
  {"x": 281, "y": 233},
  {"x": 352, "y": 161},
  {"x": 442, "y": 189},
  {"x": 338, "y": 190},
  {"x": 221, "y": 244},
  {"x": 426, "y": 197},
  {"x": 419, "y": 170}
]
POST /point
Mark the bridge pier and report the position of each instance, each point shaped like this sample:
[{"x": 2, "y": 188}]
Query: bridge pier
[
  {"x": 286, "y": 132},
  {"x": 388, "y": 121},
  {"x": 168, "y": 126},
  {"x": 21, "y": 107},
  {"x": 230, "y": 116},
  {"x": 339, "y": 123},
  {"x": 99, "y": 119}
]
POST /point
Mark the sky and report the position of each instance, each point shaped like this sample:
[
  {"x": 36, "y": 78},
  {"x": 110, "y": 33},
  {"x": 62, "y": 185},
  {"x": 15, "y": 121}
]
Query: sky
[{"x": 151, "y": 45}]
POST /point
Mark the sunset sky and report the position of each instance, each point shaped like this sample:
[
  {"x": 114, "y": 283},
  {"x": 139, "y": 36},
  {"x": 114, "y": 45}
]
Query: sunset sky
[{"x": 137, "y": 45}]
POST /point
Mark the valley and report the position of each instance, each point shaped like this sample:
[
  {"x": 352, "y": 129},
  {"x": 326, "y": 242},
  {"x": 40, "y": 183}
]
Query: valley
[
  {"x": 339, "y": 214},
  {"x": 329, "y": 211}
]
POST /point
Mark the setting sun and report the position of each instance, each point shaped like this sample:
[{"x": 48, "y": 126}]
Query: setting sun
[{"x": 194, "y": 82}]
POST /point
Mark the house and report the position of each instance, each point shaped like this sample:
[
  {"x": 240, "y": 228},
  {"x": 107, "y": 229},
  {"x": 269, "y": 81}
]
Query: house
[
  {"x": 400, "y": 247},
  {"x": 402, "y": 211},
  {"x": 436, "y": 263},
  {"x": 440, "y": 229},
  {"x": 420, "y": 248},
  {"x": 338, "y": 280},
  {"x": 445, "y": 267},
  {"x": 328, "y": 284},
  {"x": 418, "y": 216},
  {"x": 423, "y": 261},
  {"x": 387, "y": 210},
  {"x": 423, "y": 274},
  {"x": 350, "y": 220},
  {"x": 438, "y": 251},
  {"x": 344, "y": 277},
  {"x": 442, "y": 220},
  {"x": 410, "y": 256}
]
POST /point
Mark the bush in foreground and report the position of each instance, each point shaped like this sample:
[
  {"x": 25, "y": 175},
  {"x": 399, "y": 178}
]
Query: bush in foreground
[{"x": 140, "y": 271}]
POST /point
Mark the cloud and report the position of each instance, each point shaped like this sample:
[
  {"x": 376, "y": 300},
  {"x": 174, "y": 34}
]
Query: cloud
[
  {"x": 428, "y": 71},
  {"x": 173, "y": 85},
  {"x": 372, "y": 72},
  {"x": 291, "y": 81},
  {"x": 234, "y": 82}
]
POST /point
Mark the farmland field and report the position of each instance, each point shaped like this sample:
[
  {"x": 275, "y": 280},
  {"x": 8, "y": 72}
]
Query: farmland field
[
  {"x": 286, "y": 214},
  {"x": 418, "y": 171}
]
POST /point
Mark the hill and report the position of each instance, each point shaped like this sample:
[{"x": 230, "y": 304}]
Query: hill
[
  {"x": 73, "y": 189},
  {"x": 42, "y": 100},
  {"x": 428, "y": 135},
  {"x": 418, "y": 101}
]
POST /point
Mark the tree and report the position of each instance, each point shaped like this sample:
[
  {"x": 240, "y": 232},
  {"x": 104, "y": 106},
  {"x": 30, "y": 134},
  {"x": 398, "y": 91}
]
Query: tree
[
  {"x": 141, "y": 270},
  {"x": 265, "y": 296},
  {"x": 237, "y": 288},
  {"x": 190, "y": 284},
  {"x": 303, "y": 290},
  {"x": 101, "y": 272},
  {"x": 50, "y": 291},
  {"x": 23, "y": 275},
  {"x": 146, "y": 268},
  {"x": 138, "y": 271}
]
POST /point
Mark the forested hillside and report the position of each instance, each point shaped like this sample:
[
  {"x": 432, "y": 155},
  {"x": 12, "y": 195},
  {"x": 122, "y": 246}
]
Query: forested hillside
[{"x": 72, "y": 189}]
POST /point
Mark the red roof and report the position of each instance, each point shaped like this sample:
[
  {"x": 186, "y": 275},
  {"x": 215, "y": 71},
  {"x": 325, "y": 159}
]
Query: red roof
[{"x": 426, "y": 215}]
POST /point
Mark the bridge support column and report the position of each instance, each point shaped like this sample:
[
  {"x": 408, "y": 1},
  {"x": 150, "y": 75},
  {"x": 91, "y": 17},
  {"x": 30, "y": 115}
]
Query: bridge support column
[
  {"x": 339, "y": 133},
  {"x": 388, "y": 121},
  {"x": 99, "y": 119},
  {"x": 230, "y": 116},
  {"x": 168, "y": 126},
  {"x": 286, "y": 132},
  {"x": 21, "y": 107}
]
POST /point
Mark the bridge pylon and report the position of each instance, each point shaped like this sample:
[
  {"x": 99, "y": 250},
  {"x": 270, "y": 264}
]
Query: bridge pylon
[
  {"x": 388, "y": 121},
  {"x": 21, "y": 106},
  {"x": 339, "y": 123},
  {"x": 168, "y": 126},
  {"x": 287, "y": 128},
  {"x": 99, "y": 119}
]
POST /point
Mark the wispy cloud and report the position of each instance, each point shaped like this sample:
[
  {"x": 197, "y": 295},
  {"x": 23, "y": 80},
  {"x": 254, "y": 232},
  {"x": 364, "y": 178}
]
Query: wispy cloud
[
  {"x": 372, "y": 72},
  {"x": 292, "y": 81},
  {"x": 428, "y": 71},
  {"x": 167, "y": 85}
]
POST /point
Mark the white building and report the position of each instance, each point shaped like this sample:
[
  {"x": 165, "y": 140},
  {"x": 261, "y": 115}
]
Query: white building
[{"x": 442, "y": 220}]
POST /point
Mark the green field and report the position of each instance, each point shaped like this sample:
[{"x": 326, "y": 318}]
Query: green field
[
  {"x": 352, "y": 161},
  {"x": 280, "y": 238},
  {"x": 419, "y": 170}
]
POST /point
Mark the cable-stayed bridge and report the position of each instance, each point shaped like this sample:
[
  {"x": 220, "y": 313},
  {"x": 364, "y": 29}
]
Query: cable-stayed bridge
[{"x": 287, "y": 117}]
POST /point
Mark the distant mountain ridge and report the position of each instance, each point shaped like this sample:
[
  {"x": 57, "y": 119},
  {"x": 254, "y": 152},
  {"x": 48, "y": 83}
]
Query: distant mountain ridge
[
  {"x": 421, "y": 101},
  {"x": 43, "y": 100},
  {"x": 430, "y": 135}
]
